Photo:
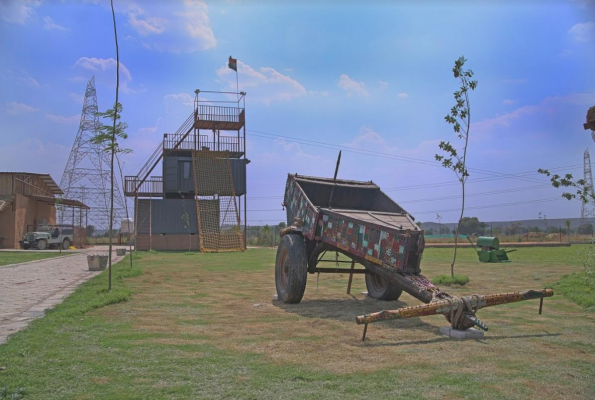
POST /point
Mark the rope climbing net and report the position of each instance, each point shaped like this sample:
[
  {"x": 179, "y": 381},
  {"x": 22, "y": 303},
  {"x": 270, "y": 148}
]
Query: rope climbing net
[{"x": 217, "y": 214}]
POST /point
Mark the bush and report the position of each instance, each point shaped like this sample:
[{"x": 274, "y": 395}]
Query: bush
[
  {"x": 576, "y": 288},
  {"x": 585, "y": 229},
  {"x": 451, "y": 280}
]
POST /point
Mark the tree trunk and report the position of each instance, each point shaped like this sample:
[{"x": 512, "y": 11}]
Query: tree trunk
[
  {"x": 111, "y": 211},
  {"x": 454, "y": 259},
  {"x": 463, "y": 180}
]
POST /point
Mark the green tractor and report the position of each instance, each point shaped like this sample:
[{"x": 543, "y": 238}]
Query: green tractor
[
  {"x": 489, "y": 250},
  {"x": 48, "y": 236}
]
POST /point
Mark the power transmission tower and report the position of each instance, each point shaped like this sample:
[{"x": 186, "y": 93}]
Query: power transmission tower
[
  {"x": 87, "y": 174},
  {"x": 588, "y": 209}
]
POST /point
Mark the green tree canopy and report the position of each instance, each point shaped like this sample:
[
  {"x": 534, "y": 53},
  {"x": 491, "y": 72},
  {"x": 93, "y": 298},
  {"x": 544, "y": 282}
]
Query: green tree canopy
[{"x": 470, "y": 225}]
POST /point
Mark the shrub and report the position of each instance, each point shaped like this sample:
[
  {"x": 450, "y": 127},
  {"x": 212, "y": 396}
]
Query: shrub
[
  {"x": 576, "y": 288},
  {"x": 451, "y": 280}
]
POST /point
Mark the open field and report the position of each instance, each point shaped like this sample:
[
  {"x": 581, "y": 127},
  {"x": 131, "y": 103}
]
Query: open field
[
  {"x": 7, "y": 258},
  {"x": 204, "y": 326}
]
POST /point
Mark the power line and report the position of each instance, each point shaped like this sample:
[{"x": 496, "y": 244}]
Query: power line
[
  {"x": 314, "y": 143},
  {"x": 518, "y": 203},
  {"x": 437, "y": 184},
  {"x": 449, "y": 183}
]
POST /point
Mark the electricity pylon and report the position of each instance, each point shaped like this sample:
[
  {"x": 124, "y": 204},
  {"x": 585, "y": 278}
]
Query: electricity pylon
[{"x": 86, "y": 176}]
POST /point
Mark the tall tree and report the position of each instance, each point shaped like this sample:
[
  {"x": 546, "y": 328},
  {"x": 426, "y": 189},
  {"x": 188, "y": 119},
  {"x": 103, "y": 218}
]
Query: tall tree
[
  {"x": 460, "y": 119},
  {"x": 107, "y": 137}
]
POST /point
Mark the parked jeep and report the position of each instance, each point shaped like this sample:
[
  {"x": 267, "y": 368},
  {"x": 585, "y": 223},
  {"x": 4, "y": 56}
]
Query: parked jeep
[{"x": 48, "y": 236}]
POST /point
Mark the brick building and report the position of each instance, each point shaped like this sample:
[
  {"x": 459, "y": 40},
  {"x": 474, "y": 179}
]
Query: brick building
[{"x": 27, "y": 201}]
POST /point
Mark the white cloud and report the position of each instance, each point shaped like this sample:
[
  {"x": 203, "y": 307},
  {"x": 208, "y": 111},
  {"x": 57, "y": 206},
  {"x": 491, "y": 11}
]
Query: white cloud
[
  {"x": 176, "y": 101},
  {"x": 352, "y": 87},
  {"x": 265, "y": 84},
  {"x": 295, "y": 149},
  {"x": 565, "y": 53},
  {"x": 583, "y": 32},
  {"x": 184, "y": 98},
  {"x": 178, "y": 27},
  {"x": 508, "y": 102},
  {"x": 426, "y": 149},
  {"x": 49, "y": 24},
  {"x": 368, "y": 139},
  {"x": 41, "y": 157},
  {"x": 61, "y": 119},
  {"x": 17, "y": 11},
  {"x": 181, "y": 27},
  {"x": 547, "y": 105},
  {"x": 198, "y": 23},
  {"x": 383, "y": 84},
  {"x": 77, "y": 97},
  {"x": 150, "y": 130},
  {"x": 28, "y": 79},
  {"x": 145, "y": 25},
  {"x": 403, "y": 95},
  {"x": 104, "y": 66},
  {"x": 15, "y": 108}
]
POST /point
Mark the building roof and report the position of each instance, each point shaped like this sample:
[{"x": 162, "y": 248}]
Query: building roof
[
  {"x": 46, "y": 178},
  {"x": 57, "y": 200}
]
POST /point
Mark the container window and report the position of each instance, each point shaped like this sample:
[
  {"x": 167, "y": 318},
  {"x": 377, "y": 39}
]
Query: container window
[{"x": 186, "y": 170}]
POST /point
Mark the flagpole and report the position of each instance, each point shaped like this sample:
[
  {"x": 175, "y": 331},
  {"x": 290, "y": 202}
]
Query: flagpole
[{"x": 237, "y": 86}]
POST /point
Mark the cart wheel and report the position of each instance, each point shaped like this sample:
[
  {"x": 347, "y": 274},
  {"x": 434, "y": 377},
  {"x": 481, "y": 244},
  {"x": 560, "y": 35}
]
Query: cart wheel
[
  {"x": 381, "y": 288},
  {"x": 65, "y": 244},
  {"x": 42, "y": 244},
  {"x": 291, "y": 269}
]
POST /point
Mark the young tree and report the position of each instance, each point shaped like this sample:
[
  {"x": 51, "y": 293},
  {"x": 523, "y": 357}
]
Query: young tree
[
  {"x": 460, "y": 118},
  {"x": 107, "y": 138},
  {"x": 581, "y": 189}
]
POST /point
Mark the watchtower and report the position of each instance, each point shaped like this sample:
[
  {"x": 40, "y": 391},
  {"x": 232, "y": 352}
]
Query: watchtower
[{"x": 202, "y": 189}]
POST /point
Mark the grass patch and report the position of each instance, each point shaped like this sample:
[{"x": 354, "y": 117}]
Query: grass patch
[
  {"x": 204, "y": 326},
  {"x": 9, "y": 257},
  {"x": 93, "y": 294},
  {"x": 448, "y": 280},
  {"x": 11, "y": 394},
  {"x": 575, "y": 288}
]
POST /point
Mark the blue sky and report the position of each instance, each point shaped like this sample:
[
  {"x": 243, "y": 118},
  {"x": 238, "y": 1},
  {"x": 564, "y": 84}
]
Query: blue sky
[{"x": 373, "y": 77}]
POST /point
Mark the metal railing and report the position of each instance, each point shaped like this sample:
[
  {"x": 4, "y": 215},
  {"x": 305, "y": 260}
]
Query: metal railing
[
  {"x": 219, "y": 113},
  {"x": 152, "y": 185},
  {"x": 177, "y": 141},
  {"x": 232, "y": 144},
  {"x": 158, "y": 153},
  {"x": 191, "y": 142}
]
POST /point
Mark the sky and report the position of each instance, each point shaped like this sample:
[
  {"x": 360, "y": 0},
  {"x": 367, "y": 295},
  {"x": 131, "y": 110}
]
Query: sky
[{"x": 373, "y": 79}]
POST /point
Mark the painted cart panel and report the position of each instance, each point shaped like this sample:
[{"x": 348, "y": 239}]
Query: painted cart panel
[
  {"x": 373, "y": 242},
  {"x": 297, "y": 205},
  {"x": 379, "y": 230}
]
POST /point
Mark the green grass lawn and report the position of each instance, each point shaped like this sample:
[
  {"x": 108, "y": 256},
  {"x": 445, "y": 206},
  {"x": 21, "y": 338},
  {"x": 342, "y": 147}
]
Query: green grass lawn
[
  {"x": 7, "y": 258},
  {"x": 204, "y": 326}
]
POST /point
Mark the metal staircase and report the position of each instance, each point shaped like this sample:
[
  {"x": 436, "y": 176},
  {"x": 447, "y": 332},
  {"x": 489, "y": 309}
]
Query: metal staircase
[
  {"x": 178, "y": 137},
  {"x": 206, "y": 116}
]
